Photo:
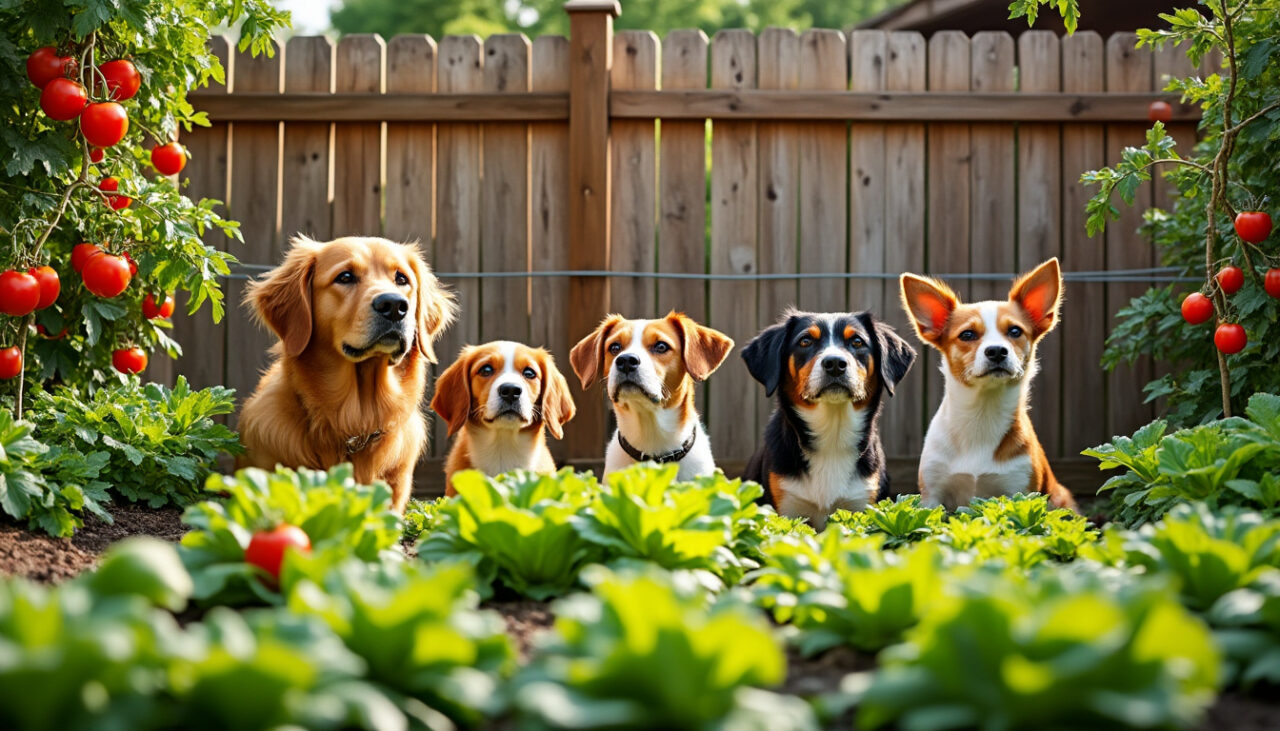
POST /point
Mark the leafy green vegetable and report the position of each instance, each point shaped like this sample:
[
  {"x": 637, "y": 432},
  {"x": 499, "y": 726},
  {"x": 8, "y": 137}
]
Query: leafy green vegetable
[
  {"x": 145, "y": 567},
  {"x": 342, "y": 519},
  {"x": 45, "y": 486},
  {"x": 646, "y": 651},
  {"x": 1247, "y": 628},
  {"x": 901, "y": 521}
]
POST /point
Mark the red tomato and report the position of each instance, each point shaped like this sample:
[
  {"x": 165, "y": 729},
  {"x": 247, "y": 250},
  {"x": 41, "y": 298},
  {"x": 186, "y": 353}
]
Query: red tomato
[
  {"x": 1253, "y": 226},
  {"x": 1197, "y": 308},
  {"x": 44, "y": 65},
  {"x": 44, "y": 333},
  {"x": 133, "y": 265},
  {"x": 19, "y": 293},
  {"x": 1160, "y": 112},
  {"x": 10, "y": 362},
  {"x": 266, "y": 548},
  {"x": 1230, "y": 338},
  {"x": 96, "y": 154},
  {"x": 1271, "y": 283},
  {"x": 104, "y": 123},
  {"x": 50, "y": 285},
  {"x": 152, "y": 309},
  {"x": 1230, "y": 278},
  {"x": 129, "y": 360},
  {"x": 81, "y": 254},
  {"x": 123, "y": 79},
  {"x": 169, "y": 159},
  {"x": 63, "y": 99},
  {"x": 117, "y": 202},
  {"x": 106, "y": 275}
]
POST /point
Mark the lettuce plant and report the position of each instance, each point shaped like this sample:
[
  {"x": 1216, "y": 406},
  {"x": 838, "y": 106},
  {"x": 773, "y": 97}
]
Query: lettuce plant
[
  {"x": 342, "y": 519},
  {"x": 45, "y": 486},
  {"x": 1053, "y": 653},
  {"x": 648, "y": 651},
  {"x": 901, "y": 521},
  {"x": 1247, "y": 627}
]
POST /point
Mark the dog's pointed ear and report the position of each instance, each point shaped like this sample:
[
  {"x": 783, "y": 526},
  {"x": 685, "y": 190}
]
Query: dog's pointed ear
[
  {"x": 1039, "y": 294},
  {"x": 282, "y": 301},
  {"x": 557, "y": 404},
  {"x": 587, "y": 357},
  {"x": 436, "y": 305},
  {"x": 704, "y": 348},
  {"x": 766, "y": 354},
  {"x": 452, "y": 399},
  {"x": 896, "y": 355},
  {"x": 929, "y": 303}
]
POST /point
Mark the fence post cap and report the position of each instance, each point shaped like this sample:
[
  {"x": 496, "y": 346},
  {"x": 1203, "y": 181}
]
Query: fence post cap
[{"x": 594, "y": 6}]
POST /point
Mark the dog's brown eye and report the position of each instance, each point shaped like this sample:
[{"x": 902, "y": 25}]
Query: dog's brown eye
[
  {"x": 401, "y": 279},
  {"x": 345, "y": 278},
  {"x": 661, "y": 347},
  {"x": 530, "y": 373},
  {"x": 858, "y": 342},
  {"x": 806, "y": 342},
  {"x": 968, "y": 335},
  {"x": 485, "y": 370},
  {"x": 615, "y": 348},
  {"x": 1015, "y": 332}
]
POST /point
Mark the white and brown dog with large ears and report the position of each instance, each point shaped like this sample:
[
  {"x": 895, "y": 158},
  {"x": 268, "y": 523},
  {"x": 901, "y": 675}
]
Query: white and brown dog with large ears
[
  {"x": 649, "y": 368},
  {"x": 356, "y": 318},
  {"x": 497, "y": 398},
  {"x": 981, "y": 443}
]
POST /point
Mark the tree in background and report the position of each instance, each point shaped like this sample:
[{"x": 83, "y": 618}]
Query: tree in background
[{"x": 538, "y": 17}]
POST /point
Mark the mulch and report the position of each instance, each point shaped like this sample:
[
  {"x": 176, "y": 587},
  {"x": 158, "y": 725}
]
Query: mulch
[{"x": 46, "y": 559}]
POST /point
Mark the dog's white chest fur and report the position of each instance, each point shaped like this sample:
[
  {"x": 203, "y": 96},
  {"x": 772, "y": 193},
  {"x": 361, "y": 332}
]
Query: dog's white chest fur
[
  {"x": 958, "y": 461},
  {"x": 495, "y": 451},
  {"x": 832, "y": 482}
]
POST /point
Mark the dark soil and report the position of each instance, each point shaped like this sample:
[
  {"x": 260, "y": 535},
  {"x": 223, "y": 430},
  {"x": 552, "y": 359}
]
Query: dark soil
[
  {"x": 1240, "y": 712},
  {"x": 526, "y": 620},
  {"x": 40, "y": 557}
]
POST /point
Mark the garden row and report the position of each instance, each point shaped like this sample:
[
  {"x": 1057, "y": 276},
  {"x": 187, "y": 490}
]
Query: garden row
[{"x": 674, "y": 604}]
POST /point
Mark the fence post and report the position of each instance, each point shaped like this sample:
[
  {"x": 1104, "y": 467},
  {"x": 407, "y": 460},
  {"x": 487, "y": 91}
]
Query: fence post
[{"x": 590, "y": 63}]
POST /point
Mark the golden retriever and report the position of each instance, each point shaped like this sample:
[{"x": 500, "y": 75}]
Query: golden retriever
[{"x": 356, "y": 318}]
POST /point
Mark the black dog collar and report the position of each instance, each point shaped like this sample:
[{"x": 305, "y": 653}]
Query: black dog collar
[
  {"x": 360, "y": 441},
  {"x": 672, "y": 456}
]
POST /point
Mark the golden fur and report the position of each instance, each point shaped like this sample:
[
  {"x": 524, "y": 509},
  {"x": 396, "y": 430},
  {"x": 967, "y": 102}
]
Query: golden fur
[{"x": 344, "y": 387}]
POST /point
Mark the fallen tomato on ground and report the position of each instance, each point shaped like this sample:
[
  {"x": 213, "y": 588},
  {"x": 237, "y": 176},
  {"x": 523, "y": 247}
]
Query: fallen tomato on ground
[{"x": 266, "y": 548}]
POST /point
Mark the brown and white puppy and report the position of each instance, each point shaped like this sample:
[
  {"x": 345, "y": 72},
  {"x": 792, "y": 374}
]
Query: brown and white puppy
[
  {"x": 356, "y": 318},
  {"x": 981, "y": 443},
  {"x": 649, "y": 368},
  {"x": 497, "y": 398}
]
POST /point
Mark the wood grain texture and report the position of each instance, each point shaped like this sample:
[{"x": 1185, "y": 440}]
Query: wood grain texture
[
  {"x": 1040, "y": 220},
  {"x": 459, "y": 68},
  {"x": 902, "y": 427},
  {"x": 504, "y": 197},
  {"x": 823, "y": 192},
  {"x": 549, "y": 219},
  {"x": 357, "y": 156},
  {"x": 634, "y": 170},
  {"x": 682, "y": 180},
  {"x": 1085, "y": 321},
  {"x": 254, "y": 202},
  {"x": 778, "y": 202},
  {"x": 410, "y": 184},
  {"x": 308, "y": 146},
  {"x": 731, "y": 417},
  {"x": 204, "y": 342},
  {"x": 868, "y": 60},
  {"x": 1128, "y": 69},
  {"x": 993, "y": 193}
]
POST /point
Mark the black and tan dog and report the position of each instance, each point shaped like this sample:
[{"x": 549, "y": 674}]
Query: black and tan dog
[{"x": 830, "y": 371}]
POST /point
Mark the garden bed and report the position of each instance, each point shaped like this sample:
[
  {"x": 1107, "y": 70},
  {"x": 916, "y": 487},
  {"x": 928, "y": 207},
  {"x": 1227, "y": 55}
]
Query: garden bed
[{"x": 40, "y": 557}]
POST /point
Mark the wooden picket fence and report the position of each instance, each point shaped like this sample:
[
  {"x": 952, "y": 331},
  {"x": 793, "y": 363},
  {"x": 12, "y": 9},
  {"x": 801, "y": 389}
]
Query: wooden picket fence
[{"x": 780, "y": 153}]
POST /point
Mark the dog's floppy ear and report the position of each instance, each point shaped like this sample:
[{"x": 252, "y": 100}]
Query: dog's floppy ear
[
  {"x": 436, "y": 305},
  {"x": 452, "y": 399},
  {"x": 929, "y": 303},
  {"x": 587, "y": 357},
  {"x": 1039, "y": 294},
  {"x": 896, "y": 355},
  {"x": 557, "y": 404},
  {"x": 704, "y": 348},
  {"x": 282, "y": 300},
  {"x": 766, "y": 354}
]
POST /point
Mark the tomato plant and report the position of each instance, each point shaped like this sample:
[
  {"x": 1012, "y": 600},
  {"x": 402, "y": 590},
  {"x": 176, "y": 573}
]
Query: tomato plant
[
  {"x": 129, "y": 360},
  {"x": 123, "y": 79},
  {"x": 10, "y": 362},
  {"x": 151, "y": 309},
  {"x": 1253, "y": 226},
  {"x": 106, "y": 275},
  {"x": 1197, "y": 308},
  {"x": 169, "y": 159},
  {"x": 1160, "y": 112},
  {"x": 63, "y": 99},
  {"x": 117, "y": 202},
  {"x": 81, "y": 254},
  {"x": 1230, "y": 338},
  {"x": 50, "y": 285},
  {"x": 44, "y": 65},
  {"x": 267, "y": 548},
  {"x": 1272, "y": 283},
  {"x": 1230, "y": 278},
  {"x": 104, "y": 123},
  {"x": 19, "y": 293}
]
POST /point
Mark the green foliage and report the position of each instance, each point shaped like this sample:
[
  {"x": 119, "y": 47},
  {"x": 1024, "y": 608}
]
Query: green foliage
[
  {"x": 45, "y": 161},
  {"x": 421, "y": 517},
  {"x": 646, "y": 651},
  {"x": 159, "y": 443},
  {"x": 1247, "y": 627},
  {"x": 1062, "y": 653},
  {"x": 1228, "y": 462},
  {"x": 48, "y": 487},
  {"x": 901, "y": 521},
  {"x": 420, "y": 634},
  {"x": 145, "y": 567},
  {"x": 1030, "y": 9},
  {"x": 342, "y": 519}
]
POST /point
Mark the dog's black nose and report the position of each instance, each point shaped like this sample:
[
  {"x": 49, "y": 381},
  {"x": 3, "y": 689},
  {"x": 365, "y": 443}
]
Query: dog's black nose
[
  {"x": 509, "y": 392},
  {"x": 626, "y": 363},
  {"x": 996, "y": 353},
  {"x": 834, "y": 366},
  {"x": 391, "y": 305}
]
